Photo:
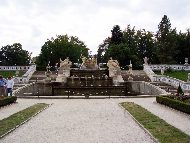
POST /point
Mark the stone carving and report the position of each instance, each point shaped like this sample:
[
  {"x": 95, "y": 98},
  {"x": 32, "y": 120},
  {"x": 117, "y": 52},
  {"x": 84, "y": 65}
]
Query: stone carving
[
  {"x": 186, "y": 61},
  {"x": 130, "y": 69},
  {"x": 66, "y": 64},
  {"x": 115, "y": 71},
  {"x": 64, "y": 70},
  {"x": 113, "y": 64},
  {"x": 162, "y": 71},
  {"x": 145, "y": 61},
  {"x": 88, "y": 63},
  {"x": 48, "y": 73}
]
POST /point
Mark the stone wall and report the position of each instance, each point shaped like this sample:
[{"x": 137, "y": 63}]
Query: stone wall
[
  {"x": 141, "y": 87},
  {"x": 38, "y": 88}
]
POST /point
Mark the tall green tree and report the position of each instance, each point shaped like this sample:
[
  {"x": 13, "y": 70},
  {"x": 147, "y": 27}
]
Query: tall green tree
[
  {"x": 11, "y": 55},
  {"x": 62, "y": 46},
  {"x": 165, "y": 41},
  {"x": 145, "y": 45},
  {"x": 117, "y": 35}
]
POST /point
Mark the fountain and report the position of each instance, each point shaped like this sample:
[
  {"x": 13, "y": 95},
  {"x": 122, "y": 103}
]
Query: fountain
[{"x": 88, "y": 80}]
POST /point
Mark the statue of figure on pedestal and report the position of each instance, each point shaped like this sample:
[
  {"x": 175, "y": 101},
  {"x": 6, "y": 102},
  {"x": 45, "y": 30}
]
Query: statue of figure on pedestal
[
  {"x": 84, "y": 59},
  {"x": 145, "y": 61},
  {"x": 66, "y": 64},
  {"x": 130, "y": 69},
  {"x": 88, "y": 63},
  {"x": 48, "y": 67},
  {"x": 115, "y": 71},
  {"x": 113, "y": 64}
]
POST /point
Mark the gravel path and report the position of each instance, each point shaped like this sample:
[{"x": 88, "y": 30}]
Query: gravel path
[
  {"x": 79, "y": 121},
  {"x": 88, "y": 121}
]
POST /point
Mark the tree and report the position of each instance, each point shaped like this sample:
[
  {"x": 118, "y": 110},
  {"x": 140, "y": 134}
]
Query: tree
[
  {"x": 14, "y": 55},
  {"x": 62, "y": 47},
  {"x": 102, "y": 50},
  {"x": 117, "y": 35},
  {"x": 165, "y": 41}
]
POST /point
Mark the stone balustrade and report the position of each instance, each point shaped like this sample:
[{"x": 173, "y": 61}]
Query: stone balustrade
[
  {"x": 173, "y": 82},
  {"x": 166, "y": 79},
  {"x": 28, "y": 88},
  {"x": 172, "y": 67},
  {"x": 25, "y": 78},
  {"x": 149, "y": 72},
  {"x": 14, "y": 68}
]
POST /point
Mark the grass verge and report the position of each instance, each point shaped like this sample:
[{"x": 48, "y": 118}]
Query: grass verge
[
  {"x": 6, "y": 74},
  {"x": 182, "y": 75},
  {"x": 18, "y": 118},
  {"x": 161, "y": 130}
]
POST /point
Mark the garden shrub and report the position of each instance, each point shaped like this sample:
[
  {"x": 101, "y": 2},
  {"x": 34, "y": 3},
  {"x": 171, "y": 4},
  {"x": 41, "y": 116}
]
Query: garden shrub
[
  {"x": 174, "y": 103},
  {"x": 7, "y": 100}
]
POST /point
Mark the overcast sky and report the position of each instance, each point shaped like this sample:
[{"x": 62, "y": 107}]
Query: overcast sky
[{"x": 32, "y": 22}]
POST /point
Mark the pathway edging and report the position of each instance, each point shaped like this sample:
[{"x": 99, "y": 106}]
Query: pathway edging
[
  {"x": 140, "y": 125},
  {"x": 24, "y": 121}
]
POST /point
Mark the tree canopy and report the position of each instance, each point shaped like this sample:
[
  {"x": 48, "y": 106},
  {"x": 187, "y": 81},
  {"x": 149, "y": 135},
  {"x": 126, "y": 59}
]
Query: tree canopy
[
  {"x": 62, "y": 47},
  {"x": 166, "y": 46},
  {"x": 11, "y": 55}
]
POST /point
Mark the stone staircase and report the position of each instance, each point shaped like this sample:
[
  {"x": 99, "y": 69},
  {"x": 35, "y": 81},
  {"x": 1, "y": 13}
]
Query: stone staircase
[
  {"x": 140, "y": 75},
  {"x": 16, "y": 86},
  {"x": 168, "y": 88},
  {"x": 40, "y": 75}
]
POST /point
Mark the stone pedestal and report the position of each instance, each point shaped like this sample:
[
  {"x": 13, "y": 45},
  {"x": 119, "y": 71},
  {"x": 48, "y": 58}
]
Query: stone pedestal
[
  {"x": 130, "y": 78},
  {"x": 48, "y": 77},
  {"x": 116, "y": 75},
  {"x": 62, "y": 75}
]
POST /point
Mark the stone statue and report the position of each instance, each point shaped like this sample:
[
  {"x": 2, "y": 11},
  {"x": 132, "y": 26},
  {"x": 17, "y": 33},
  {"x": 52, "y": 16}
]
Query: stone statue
[
  {"x": 130, "y": 69},
  {"x": 48, "y": 73},
  {"x": 48, "y": 67},
  {"x": 56, "y": 67},
  {"x": 64, "y": 70},
  {"x": 83, "y": 58},
  {"x": 66, "y": 64},
  {"x": 162, "y": 71},
  {"x": 88, "y": 63},
  {"x": 113, "y": 64},
  {"x": 115, "y": 71},
  {"x": 145, "y": 60}
]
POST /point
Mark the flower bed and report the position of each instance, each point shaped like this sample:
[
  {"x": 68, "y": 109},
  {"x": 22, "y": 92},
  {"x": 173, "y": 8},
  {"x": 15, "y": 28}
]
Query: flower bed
[
  {"x": 175, "y": 102},
  {"x": 6, "y": 100}
]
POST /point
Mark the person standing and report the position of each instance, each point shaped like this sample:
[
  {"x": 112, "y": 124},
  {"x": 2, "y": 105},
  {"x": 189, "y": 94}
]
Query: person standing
[
  {"x": 10, "y": 84},
  {"x": 2, "y": 86}
]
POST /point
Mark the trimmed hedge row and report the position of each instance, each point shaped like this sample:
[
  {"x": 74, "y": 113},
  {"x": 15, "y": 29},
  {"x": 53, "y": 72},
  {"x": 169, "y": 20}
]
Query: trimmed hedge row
[
  {"x": 176, "y": 104},
  {"x": 8, "y": 100}
]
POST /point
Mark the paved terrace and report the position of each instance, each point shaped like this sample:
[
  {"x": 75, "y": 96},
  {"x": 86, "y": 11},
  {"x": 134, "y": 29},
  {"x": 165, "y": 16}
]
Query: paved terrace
[{"x": 87, "y": 121}]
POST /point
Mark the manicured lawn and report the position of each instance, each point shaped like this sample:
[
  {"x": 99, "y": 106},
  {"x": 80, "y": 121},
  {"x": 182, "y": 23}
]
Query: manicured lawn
[
  {"x": 16, "y": 119},
  {"x": 161, "y": 130},
  {"x": 182, "y": 75},
  {"x": 5, "y": 74}
]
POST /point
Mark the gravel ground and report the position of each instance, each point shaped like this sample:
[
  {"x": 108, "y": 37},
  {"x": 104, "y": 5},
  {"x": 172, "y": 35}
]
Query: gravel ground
[
  {"x": 88, "y": 121},
  {"x": 79, "y": 121}
]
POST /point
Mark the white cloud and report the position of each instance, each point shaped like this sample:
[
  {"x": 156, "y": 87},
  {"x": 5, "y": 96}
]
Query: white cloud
[{"x": 32, "y": 22}]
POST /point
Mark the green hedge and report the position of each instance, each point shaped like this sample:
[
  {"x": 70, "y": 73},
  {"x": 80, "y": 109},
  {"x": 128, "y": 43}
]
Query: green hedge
[
  {"x": 8, "y": 100},
  {"x": 173, "y": 103}
]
